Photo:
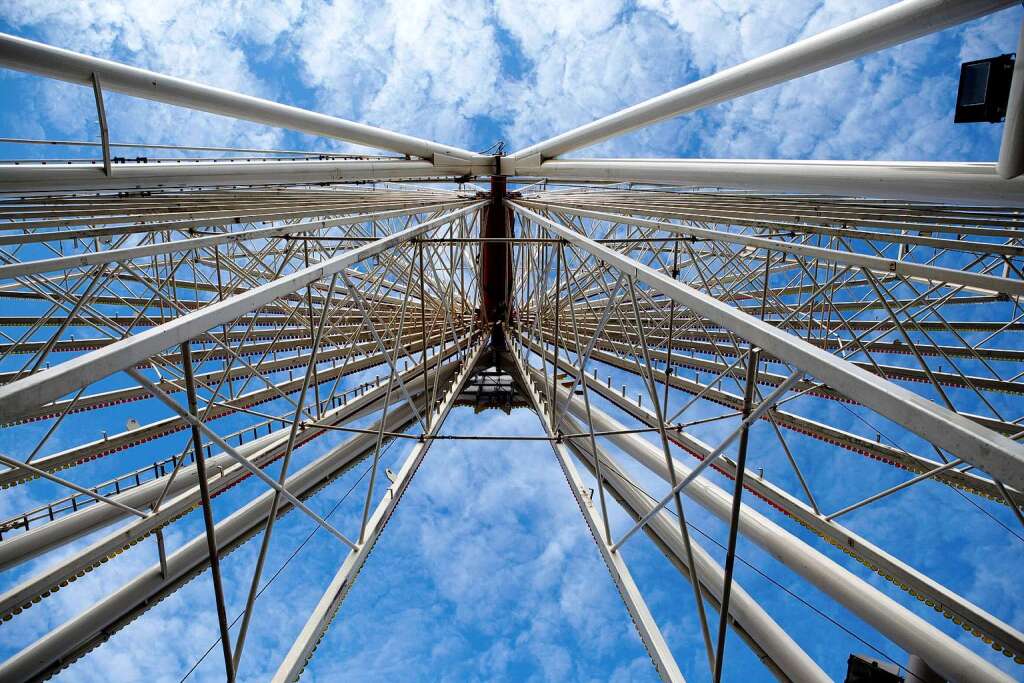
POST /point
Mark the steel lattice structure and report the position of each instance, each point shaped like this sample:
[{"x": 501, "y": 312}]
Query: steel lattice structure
[{"x": 244, "y": 290}]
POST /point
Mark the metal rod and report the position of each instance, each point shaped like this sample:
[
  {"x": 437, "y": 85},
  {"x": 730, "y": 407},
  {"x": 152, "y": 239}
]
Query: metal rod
[
  {"x": 965, "y": 438},
  {"x": 659, "y": 417},
  {"x": 204, "y": 492},
  {"x": 235, "y": 455},
  {"x": 734, "y": 520},
  {"x": 11, "y": 462},
  {"x": 893, "y": 489},
  {"x": 101, "y": 113},
  {"x": 762, "y": 407},
  {"x": 268, "y": 529}
]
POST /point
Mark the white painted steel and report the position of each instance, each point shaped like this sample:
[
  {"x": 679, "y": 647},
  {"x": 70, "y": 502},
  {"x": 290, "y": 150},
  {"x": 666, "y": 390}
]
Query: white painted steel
[
  {"x": 902, "y": 573},
  {"x": 745, "y": 613},
  {"x": 37, "y": 177},
  {"x": 323, "y": 613},
  {"x": 953, "y": 183},
  {"x": 986, "y": 283},
  {"x": 79, "y": 634},
  {"x": 890, "y": 26},
  {"x": 986, "y": 184},
  {"x": 45, "y": 60},
  {"x": 645, "y": 623},
  {"x": 897, "y": 623},
  {"x": 996, "y": 454},
  {"x": 1011, "y": 148},
  {"x": 238, "y": 457},
  {"x": 107, "y": 256}
]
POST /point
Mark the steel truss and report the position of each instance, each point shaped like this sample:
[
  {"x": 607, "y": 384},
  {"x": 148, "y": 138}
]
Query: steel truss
[{"x": 662, "y": 318}]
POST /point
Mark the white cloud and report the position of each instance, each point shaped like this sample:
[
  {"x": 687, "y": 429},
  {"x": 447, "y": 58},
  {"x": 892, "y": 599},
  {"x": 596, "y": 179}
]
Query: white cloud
[
  {"x": 892, "y": 105},
  {"x": 204, "y": 42},
  {"x": 435, "y": 69},
  {"x": 426, "y": 68}
]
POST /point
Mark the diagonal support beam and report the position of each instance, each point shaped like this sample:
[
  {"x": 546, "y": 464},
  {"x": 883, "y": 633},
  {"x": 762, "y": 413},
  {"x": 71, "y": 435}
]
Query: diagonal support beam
[
  {"x": 998, "y": 455},
  {"x": 84, "y": 632},
  {"x": 646, "y": 626},
  {"x": 895, "y": 622},
  {"x": 316, "y": 625},
  {"x": 770, "y": 642}
]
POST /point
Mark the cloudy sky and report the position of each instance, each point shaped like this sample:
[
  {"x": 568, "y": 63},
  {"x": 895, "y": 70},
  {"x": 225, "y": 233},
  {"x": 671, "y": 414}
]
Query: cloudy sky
[
  {"x": 472, "y": 73},
  {"x": 487, "y": 571}
]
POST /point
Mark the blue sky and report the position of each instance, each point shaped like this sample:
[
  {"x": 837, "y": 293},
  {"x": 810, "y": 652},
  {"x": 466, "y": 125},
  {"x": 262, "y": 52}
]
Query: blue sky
[{"x": 487, "y": 571}]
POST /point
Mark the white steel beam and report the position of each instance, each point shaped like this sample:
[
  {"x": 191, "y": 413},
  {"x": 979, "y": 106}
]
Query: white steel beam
[
  {"x": 646, "y": 626},
  {"x": 986, "y": 283},
  {"x": 996, "y": 454},
  {"x": 903, "y": 627},
  {"x": 38, "y": 177},
  {"x": 77, "y": 636},
  {"x": 182, "y": 497},
  {"x": 890, "y": 26},
  {"x": 316, "y": 625},
  {"x": 1011, "y": 148},
  {"x": 45, "y": 60},
  {"x": 910, "y": 181},
  {"x": 954, "y": 606},
  {"x": 107, "y": 256},
  {"x": 772, "y": 644}
]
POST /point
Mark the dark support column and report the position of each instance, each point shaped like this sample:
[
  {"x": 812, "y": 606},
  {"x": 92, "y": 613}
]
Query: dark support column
[
  {"x": 204, "y": 492},
  {"x": 496, "y": 256},
  {"x": 734, "y": 523}
]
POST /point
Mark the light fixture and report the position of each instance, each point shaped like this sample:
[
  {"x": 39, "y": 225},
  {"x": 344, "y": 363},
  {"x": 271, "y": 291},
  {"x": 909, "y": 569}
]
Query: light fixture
[{"x": 984, "y": 90}]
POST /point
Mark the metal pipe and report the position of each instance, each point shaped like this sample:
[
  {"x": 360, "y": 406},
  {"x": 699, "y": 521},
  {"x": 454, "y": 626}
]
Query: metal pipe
[
  {"x": 236, "y": 456},
  {"x": 107, "y": 256},
  {"x": 890, "y": 26},
  {"x": 895, "y": 622},
  {"x": 54, "y": 62},
  {"x": 268, "y": 529},
  {"x": 101, "y": 113},
  {"x": 753, "y": 358},
  {"x": 763, "y": 407},
  {"x": 185, "y": 148},
  {"x": 45, "y": 177},
  {"x": 893, "y": 489},
  {"x": 988, "y": 283},
  {"x": 184, "y": 498},
  {"x": 1011, "y": 148},
  {"x": 11, "y": 462},
  {"x": 80, "y": 634},
  {"x": 771, "y": 642},
  {"x": 909, "y": 181},
  {"x": 954, "y": 605},
  {"x": 211, "y": 533},
  {"x": 318, "y": 621},
  {"x": 646, "y": 626}
]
